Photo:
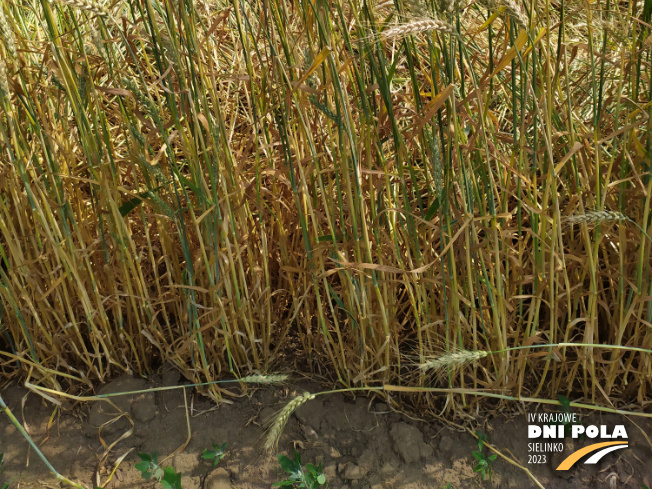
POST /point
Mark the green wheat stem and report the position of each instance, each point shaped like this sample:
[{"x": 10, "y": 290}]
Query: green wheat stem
[
  {"x": 252, "y": 379},
  {"x": 22, "y": 431},
  {"x": 567, "y": 345},
  {"x": 475, "y": 392}
]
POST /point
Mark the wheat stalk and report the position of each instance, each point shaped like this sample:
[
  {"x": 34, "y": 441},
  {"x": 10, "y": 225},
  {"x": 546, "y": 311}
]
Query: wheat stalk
[
  {"x": 596, "y": 217},
  {"x": 417, "y": 27},
  {"x": 281, "y": 419}
]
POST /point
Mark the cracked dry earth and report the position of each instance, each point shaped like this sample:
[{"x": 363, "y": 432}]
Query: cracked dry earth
[{"x": 360, "y": 442}]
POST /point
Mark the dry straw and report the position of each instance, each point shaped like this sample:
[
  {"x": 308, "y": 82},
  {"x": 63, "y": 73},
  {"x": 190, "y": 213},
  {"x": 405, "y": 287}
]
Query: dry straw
[
  {"x": 281, "y": 419},
  {"x": 417, "y": 27},
  {"x": 596, "y": 217}
]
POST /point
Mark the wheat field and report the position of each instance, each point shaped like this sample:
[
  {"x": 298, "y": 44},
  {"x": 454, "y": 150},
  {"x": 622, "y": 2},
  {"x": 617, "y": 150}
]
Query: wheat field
[{"x": 367, "y": 192}]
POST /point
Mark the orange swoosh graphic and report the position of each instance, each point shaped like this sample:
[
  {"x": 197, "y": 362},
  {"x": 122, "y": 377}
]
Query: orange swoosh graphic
[{"x": 575, "y": 456}]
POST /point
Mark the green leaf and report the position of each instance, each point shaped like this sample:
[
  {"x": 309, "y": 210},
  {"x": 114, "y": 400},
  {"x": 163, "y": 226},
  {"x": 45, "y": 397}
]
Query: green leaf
[
  {"x": 478, "y": 456},
  {"x": 171, "y": 480},
  {"x": 146, "y": 456},
  {"x": 321, "y": 479},
  {"x": 209, "y": 454},
  {"x": 565, "y": 403},
  {"x": 493, "y": 457},
  {"x": 328, "y": 238},
  {"x": 131, "y": 204},
  {"x": 145, "y": 468},
  {"x": 289, "y": 465},
  {"x": 432, "y": 210},
  {"x": 481, "y": 438}
]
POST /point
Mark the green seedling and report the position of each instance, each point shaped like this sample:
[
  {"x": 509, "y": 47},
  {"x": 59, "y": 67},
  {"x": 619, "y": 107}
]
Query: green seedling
[
  {"x": 215, "y": 454},
  {"x": 566, "y": 408},
  {"x": 149, "y": 467},
  {"x": 310, "y": 477},
  {"x": 483, "y": 464},
  {"x": 6, "y": 484}
]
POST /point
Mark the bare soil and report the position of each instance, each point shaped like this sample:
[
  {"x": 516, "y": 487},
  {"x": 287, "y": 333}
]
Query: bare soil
[{"x": 360, "y": 442}]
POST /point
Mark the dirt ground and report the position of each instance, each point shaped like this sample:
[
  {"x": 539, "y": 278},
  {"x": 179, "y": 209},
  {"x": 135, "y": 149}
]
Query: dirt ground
[{"x": 360, "y": 442}]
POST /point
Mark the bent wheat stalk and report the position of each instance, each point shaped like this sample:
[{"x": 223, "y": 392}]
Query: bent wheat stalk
[
  {"x": 266, "y": 379},
  {"x": 279, "y": 421},
  {"x": 459, "y": 358}
]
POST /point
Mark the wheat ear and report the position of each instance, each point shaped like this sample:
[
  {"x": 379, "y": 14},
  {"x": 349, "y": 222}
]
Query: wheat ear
[
  {"x": 417, "y": 27},
  {"x": 7, "y": 34},
  {"x": 91, "y": 5},
  {"x": 596, "y": 217},
  {"x": 281, "y": 419},
  {"x": 264, "y": 379},
  {"x": 453, "y": 360},
  {"x": 4, "y": 81}
]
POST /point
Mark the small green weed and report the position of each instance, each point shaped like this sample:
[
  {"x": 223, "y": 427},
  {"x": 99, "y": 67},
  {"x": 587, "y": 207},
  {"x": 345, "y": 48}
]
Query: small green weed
[
  {"x": 149, "y": 467},
  {"x": 6, "y": 484},
  {"x": 566, "y": 408},
  {"x": 215, "y": 454},
  {"x": 310, "y": 477},
  {"x": 483, "y": 464}
]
